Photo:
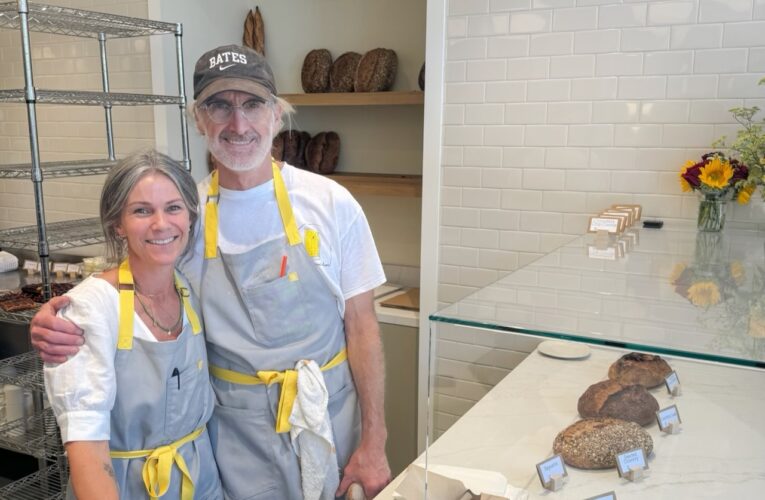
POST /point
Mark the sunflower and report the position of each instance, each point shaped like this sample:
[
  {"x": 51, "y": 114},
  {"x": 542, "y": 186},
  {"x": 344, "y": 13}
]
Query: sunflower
[
  {"x": 684, "y": 185},
  {"x": 704, "y": 294},
  {"x": 717, "y": 173},
  {"x": 737, "y": 272},
  {"x": 677, "y": 271}
]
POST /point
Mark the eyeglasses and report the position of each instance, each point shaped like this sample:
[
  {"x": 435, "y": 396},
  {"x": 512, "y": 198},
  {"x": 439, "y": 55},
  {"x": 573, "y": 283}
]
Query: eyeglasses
[{"x": 221, "y": 111}]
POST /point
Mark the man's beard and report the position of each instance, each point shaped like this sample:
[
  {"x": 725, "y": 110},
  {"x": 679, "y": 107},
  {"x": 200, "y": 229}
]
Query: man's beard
[{"x": 236, "y": 163}]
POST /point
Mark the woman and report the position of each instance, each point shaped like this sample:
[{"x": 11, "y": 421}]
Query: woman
[{"x": 133, "y": 403}]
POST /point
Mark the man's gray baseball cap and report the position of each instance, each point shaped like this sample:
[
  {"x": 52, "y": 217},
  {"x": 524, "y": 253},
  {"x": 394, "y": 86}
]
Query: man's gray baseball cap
[{"x": 233, "y": 67}]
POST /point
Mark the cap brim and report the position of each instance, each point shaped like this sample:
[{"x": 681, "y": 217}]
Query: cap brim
[{"x": 238, "y": 84}]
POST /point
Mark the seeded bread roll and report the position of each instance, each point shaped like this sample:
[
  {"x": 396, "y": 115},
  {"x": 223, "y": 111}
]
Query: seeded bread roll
[
  {"x": 343, "y": 72},
  {"x": 376, "y": 71},
  {"x": 611, "y": 399},
  {"x": 315, "y": 73},
  {"x": 647, "y": 370},
  {"x": 322, "y": 152},
  {"x": 593, "y": 443}
]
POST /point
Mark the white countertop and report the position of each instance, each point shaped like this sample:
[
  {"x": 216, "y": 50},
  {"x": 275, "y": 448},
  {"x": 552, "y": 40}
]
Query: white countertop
[
  {"x": 719, "y": 453},
  {"x": 393, "y": 315}
]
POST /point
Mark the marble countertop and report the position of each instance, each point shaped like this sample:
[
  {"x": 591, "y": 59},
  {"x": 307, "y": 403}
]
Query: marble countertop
[{"x": 719, "y": 453}]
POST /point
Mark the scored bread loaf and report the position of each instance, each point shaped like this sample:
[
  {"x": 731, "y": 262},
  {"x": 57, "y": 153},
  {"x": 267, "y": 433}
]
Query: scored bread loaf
[
  {"x": 293, "y": 149},
  {"x": 376, "y": 71},
  {"x": 277, "y": 147},
  {"x": 593, "y": 443},
  {"x": 322, "y": 152},
  {"x": 647, "y": 370},
  {"x": 611, "y": 399},
  {"x": 315, "y": 73},
  {"x": 343, "y": 72}
]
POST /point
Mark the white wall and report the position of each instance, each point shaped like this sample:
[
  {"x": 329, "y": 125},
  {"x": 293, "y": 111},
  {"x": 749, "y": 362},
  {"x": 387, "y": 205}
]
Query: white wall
[
  {"x": 556, "y": 109},
  {"x": 71, "y": 132}
]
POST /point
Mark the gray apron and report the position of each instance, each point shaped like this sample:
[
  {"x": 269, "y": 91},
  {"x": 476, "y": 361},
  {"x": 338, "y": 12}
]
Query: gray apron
[
  {"x": 163, "y": 395},
  {"x": 256, "y": 320}
]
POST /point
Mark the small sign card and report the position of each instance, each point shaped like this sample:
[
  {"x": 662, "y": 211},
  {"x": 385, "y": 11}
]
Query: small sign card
[
  {"x": 631, "y": 464},
  {"x": 551, "y": 472},
  {"x": 73, "y": 270},
  {"x": 59, "y": 268},
  {"x": 636, "y": 209},
  {"x": 604, "y": 496},
  {"x": 607, "y": 224},
  {"x": 627, "y": 216},
  {"x": 626, "y": 211},
  {"x": 673, "y": 383},
  {"x": 669, "y": 419},
  {"x": 607, "y": 253},
  {"x": 31, "y": 266}
]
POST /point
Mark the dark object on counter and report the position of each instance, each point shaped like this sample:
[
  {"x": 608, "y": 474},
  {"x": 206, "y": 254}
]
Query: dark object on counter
[
  {"x": 343, "y": 72},
  {"x": 315, "y": 73},
  {"x": 653, "y": 224},
  {"x": 594, "y": 443},
  {"x": 322, "y": 152},
  {"x": 35, "y": 291},
  {"x": 376, "y": 71},
  {"x": 611, "y": 399},
  {"x": 647, "y": 370},
  {"x": 421, "y": 78},
  {"x": 254, "y": 35}
]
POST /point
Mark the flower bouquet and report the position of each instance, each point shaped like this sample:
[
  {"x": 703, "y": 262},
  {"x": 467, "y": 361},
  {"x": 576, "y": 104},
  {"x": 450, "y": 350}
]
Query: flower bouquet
[
  {"x": 717, "y": 179},
  {"x": 707, "y": 285}
]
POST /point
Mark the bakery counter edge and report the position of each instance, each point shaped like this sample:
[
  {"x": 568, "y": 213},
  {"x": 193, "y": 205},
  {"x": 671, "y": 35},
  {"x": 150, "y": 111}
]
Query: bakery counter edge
[{"x": 719, "y": 452}]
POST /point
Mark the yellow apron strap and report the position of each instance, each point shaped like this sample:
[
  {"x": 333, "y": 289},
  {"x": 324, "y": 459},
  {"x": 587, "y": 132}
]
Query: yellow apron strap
[
  {"x": 287, "y": 378},
  {"x": 158, "y": 466},
  {"x": 191, "y": 314},
  {"x": 127, "y": 306},
  {"x": 211, "y": 218},
  {"x": 285, "y": 208}
]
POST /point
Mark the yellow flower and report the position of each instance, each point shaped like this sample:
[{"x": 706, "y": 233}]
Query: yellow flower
[
  {"x": 676, "y": 272},
  {"x": 704, "y": 294},
  {"x": 683, "y": 183},
  {"x": 737, "y": 272},
  {"x": 745, "y": 194},
  {"x": 716, "y": 173}
]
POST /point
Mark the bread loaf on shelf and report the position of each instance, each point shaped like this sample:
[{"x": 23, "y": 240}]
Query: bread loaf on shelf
[
  {"x": 343, "y": 72},
  {"x": 291, "y": 144},
  {"x": 315, "y": 73},
  {"x": 647, "y": 370},
  {"x": 322, "y": 152},
  {"x": 611, "y": 399},
  {"x": 376, "y": 71},
  {"x": 594, "y": 443}
]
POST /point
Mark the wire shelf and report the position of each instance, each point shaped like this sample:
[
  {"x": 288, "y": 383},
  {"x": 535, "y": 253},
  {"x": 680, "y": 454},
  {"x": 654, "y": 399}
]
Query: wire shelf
[
  {"x": 61, "y": 235},
  {"x": 24, "y": 316},
  {"x": 36, "y": 435},
  {"x": 24, "y": 370},
  {"x": 45, "y": 484},
  {"x": 84, "y": 23},
  {"x": 56, "y": 169},
  {"x": 88, "y": 98}
]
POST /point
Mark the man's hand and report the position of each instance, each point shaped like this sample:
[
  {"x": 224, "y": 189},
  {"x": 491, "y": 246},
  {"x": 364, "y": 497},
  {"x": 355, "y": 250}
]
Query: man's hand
[
  {"x": 54, "y": 338},
  {"x": 367, "y": 467}
]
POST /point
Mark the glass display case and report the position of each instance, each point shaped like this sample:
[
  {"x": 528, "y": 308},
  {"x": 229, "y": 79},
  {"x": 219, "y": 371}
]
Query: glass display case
[{"x": 528, "y": 346}]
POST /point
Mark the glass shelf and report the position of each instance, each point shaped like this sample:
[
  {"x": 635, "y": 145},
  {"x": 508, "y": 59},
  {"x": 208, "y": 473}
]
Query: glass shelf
[
  {"x": 83, "y": 23},
  {"x": 88, "y": 98},
  {"x": 683, "y": 293},
  {"x": 61, "y": 235},
  {"x": 57, "y": 169}
]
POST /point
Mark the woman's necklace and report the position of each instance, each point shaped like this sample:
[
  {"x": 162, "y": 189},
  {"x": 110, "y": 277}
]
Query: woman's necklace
[{"x": 168, "y": 330}]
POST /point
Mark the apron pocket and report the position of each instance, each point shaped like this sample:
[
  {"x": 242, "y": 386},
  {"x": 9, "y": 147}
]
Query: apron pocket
[
  {"x": 242, "y": 446},
  {"x": 273, "y": 324},
  {"x": 346, "y": 422},
  {"x": 188, "y": 396}
]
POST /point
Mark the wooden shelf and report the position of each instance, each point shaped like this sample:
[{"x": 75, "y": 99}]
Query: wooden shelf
[
  {"x": 356, "y": 98},
  {"x": 408, "y": 186}
]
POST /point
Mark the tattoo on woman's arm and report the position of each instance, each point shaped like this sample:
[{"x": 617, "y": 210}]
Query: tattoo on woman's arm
[{"x": 109, "y": 470}]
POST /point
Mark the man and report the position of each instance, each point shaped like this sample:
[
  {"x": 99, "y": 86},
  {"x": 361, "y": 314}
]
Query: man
[{"x": 289, "y": 266}]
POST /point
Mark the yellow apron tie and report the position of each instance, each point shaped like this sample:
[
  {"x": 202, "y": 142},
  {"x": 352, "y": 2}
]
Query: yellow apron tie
[
  {"x": 288, "y": 379},
  {"x": 157, "y": 468},
  {"x": 211, "y": 217}
]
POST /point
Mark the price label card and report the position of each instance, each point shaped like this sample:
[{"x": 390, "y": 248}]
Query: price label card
[
  {"x": 608, "y": 253},
  {"x": 629, "y": 460},
  {"x": 672, "y": 382},
  {"x": 625, "y": 216},
  {"x": 668, "y": 416},
  {"x": 30, "y": 265},
  {"x": 604, "y": 496},
  {"x": 636, "y": 209},
  {"x": 626, "y": 211},
  {"x": 60, "y": 267},
  {"x": 74, "y": 268},
  {"x": 550, "y": 468},
  {"x": 608, "y": 224}
]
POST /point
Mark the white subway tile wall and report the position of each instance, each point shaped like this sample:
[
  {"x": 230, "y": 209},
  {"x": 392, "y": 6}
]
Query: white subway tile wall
[
  {"x": 71, "y": 132},
  {"x": 603, "y": 101}
]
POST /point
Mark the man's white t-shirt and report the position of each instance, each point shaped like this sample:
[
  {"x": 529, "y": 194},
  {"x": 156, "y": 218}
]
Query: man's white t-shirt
[{"x": 347, "y": 257}]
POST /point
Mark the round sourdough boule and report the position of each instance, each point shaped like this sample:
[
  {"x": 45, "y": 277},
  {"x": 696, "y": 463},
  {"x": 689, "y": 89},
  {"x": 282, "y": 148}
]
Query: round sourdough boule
[
  {"x": 277, "y": 147},
  {"x": 315, "y": 73},
  {"x": 593, "y": 443},
  {"x": 322, "y": 152},
  {"x": 611, "y": 399},
  {"x": 647, "y": 370},
  {"x": 343, "y": 72},
  {"x": 376, "y": 71},
  {"x": 293, "y": 149}
]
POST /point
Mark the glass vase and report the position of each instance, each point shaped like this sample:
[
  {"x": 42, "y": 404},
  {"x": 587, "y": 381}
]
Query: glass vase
[{"x": 711, "y": 213}]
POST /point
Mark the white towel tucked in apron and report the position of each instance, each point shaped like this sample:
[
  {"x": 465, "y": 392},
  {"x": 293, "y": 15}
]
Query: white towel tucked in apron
[{"x": 311, "y": 434}]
